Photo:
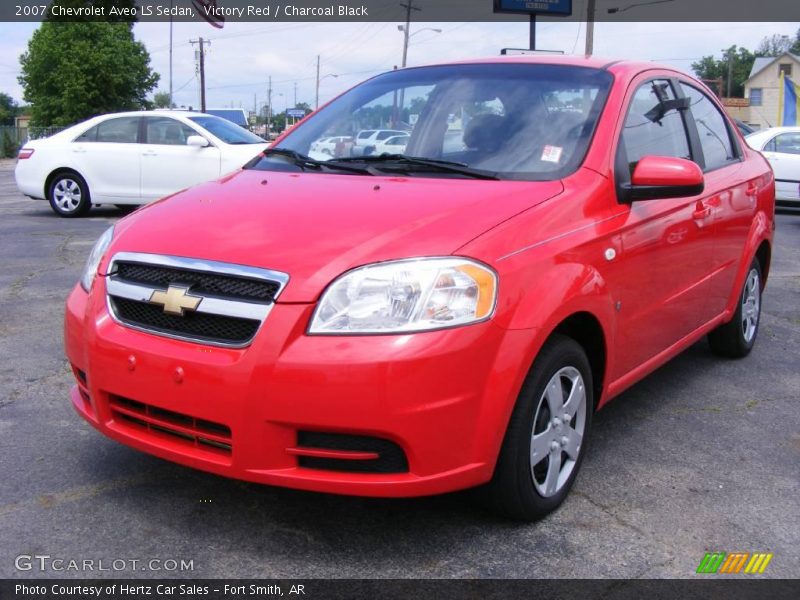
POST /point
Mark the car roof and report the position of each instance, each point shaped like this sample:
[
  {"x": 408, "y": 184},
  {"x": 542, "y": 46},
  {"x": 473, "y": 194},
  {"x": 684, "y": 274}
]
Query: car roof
[
  {"x": 764, "y": 134},
  {"x": 594, "y": 62},
  {"x": 159, "y": 112}
]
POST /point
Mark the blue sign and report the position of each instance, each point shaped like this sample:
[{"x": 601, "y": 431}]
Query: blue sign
[
  {"x": 558, "y": 8},
  {"x": 295, "y": 113}
]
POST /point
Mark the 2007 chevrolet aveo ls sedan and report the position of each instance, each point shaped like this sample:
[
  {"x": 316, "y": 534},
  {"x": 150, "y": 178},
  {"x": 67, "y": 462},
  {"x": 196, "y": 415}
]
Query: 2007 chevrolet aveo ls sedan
[{"x": 446, "y": 318}]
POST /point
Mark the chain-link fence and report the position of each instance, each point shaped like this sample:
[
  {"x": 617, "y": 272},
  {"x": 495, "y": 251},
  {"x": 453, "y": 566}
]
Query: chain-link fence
[{"x": 12, "y": 138}]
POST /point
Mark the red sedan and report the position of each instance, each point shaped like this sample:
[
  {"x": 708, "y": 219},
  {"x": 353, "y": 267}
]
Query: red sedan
[{"x": 449, "y": 317}]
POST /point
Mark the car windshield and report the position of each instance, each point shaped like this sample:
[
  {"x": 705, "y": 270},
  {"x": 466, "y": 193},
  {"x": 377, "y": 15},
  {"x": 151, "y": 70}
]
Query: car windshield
[
  {"x": 512, "y": 120},
  {"x": 226, "y": 131}
]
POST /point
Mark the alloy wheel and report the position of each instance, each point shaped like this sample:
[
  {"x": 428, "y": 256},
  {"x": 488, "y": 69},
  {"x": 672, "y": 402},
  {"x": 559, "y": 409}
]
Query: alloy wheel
[
  {"x": 751, "y": 304},
  {"x": 558, "y": 430}
]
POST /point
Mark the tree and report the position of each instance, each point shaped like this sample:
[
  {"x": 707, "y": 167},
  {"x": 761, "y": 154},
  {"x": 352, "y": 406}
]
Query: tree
[
  {"x": 8, "y": 109},
  {"x": 75, "y": 70},
  {"x": 795, "y": 49},
  {"x": 162, "y": 100},
  {"x": 736, "y": 61},
  {"x": 774, "y": 45}
]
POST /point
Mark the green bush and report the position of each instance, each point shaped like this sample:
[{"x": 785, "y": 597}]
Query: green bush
[{"x": 9, "y": 146}]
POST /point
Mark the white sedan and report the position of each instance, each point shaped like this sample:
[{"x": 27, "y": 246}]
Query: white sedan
[
  {"x": 131, "y": 158},
  {"x": 781, "y": 147},
  {"x": 393, "y": 145}
]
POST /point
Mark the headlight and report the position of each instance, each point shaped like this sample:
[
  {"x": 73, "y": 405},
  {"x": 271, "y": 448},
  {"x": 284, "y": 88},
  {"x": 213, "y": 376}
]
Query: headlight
[
  {"x": 100, "y": 247},
  {"x": 407, "y": 295}
]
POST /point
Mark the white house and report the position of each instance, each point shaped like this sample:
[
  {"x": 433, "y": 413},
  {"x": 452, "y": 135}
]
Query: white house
[{"x": 763, "y": 86}]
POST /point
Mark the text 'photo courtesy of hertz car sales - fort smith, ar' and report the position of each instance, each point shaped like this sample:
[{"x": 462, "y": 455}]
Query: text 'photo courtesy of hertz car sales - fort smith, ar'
[{"x": 441, "y": 318}]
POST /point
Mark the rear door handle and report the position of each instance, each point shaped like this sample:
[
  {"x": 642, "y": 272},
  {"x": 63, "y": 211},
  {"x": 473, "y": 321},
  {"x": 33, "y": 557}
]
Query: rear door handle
[{"x": 701, "y": 211}]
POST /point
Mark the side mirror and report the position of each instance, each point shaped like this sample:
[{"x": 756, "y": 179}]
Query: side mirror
[
  {"x": 664, "y": 177},
  {"x": 198, "y": 141}
]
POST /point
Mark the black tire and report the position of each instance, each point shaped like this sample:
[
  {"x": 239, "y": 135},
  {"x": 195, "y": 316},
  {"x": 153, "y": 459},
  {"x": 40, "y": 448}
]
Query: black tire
[
  {"x": 516, "y": 490},
  {"x": 69, "y": 195},
  {"x": 736, "y": 338}
]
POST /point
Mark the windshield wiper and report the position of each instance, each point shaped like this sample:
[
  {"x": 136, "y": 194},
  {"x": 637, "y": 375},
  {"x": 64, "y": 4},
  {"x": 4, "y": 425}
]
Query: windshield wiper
[
  {"x": 408, "y": 163},
  {"x": 303, "y": 161}
]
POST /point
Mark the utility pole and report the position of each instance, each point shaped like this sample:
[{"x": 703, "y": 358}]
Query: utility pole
[
  {"x": 590, "y": 27},
  {"x": 409, "y": 7},
  {"x": 200, "y": 42},
  {"x": 316, "y": 101},
  {"x": 269, "y": 107},
  {"x": 295, "y": 94},
  {"x": 730, "y": 71},
  {"x": 170, "y": 53},
  {"x": 532, "y": 43}
]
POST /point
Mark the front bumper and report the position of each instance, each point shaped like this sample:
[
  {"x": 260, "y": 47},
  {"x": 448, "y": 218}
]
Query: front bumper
[{"x": 444, "y": 397}]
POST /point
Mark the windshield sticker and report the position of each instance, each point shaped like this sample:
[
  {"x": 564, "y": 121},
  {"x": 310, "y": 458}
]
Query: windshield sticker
[{"x": 552, "y": 153}]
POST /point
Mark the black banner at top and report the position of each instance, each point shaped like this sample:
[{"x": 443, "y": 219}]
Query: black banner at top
[{"x": 218, "y": 12}]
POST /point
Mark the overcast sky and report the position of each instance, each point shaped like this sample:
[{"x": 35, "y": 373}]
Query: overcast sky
[{"x": 243, "y": 55}]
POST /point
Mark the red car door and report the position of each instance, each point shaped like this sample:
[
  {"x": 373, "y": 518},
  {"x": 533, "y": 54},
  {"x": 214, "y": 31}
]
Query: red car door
[
  {"x": 731, "y": 188},
  {"x": 665, "y": 247}
]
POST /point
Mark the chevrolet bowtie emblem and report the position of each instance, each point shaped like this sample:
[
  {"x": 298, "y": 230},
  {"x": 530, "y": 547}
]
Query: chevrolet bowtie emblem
[{"x": 175, "y": 300}]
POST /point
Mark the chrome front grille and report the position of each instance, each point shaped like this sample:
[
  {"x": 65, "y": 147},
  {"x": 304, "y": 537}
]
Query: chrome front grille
[{"x": 234, "y": 300}]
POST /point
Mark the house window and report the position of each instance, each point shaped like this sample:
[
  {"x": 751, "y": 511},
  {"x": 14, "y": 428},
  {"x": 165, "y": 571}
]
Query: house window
[
  {"x": 755, "y": 96},
  {"x": 785, "y": 69}
]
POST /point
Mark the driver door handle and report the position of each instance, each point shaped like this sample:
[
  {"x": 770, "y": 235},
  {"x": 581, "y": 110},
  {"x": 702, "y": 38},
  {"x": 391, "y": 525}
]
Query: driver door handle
[{"x": 701, "y": 211}]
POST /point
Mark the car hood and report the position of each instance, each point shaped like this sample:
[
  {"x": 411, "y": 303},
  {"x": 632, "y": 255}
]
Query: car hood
[{"x": 316, "y": 226}]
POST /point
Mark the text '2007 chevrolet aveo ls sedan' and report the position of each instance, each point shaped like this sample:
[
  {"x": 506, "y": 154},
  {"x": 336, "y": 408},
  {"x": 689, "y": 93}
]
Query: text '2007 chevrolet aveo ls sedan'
[{"x": 404, "y": 325}]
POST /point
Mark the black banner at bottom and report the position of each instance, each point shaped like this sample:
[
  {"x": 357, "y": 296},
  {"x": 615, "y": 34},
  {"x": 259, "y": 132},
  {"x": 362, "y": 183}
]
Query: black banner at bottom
[{"x": 407, "y": 589}]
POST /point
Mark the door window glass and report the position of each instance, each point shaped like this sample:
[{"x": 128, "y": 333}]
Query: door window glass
[
  {"x": 166, "y": 131},
  {"x": 123, "y": 130},
  {"x": 654, "y": 126},
  {"x": 788, "y": 143},
  {"x": 715, "y": 139}
]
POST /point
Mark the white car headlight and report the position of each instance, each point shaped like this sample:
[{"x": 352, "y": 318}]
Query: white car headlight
[
  {"x": 405, "y": 296},
  {"x": 100, "y": 247}
]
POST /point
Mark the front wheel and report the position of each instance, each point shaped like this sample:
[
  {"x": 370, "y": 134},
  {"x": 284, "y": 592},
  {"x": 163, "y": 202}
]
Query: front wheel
[
  {"x": 69, "y": 195},
  {"x": 546, "y": 438},
  {"x": 736, "y": 338}
]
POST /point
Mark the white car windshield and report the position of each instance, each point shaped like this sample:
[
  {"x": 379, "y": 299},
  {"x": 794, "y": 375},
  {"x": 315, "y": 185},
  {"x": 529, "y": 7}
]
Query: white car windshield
[{"x": 226, "y": 131}]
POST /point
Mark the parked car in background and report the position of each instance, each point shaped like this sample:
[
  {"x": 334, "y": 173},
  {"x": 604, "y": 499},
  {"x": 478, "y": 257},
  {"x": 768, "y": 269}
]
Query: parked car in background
[
  {"x": 407, "y": 325},
  {"x": 393, "y": 145},
  {"x": 369, "y": 137},
  {"x": 781, "y": 147},
  {"x": 328, "y": 145},
  {"x": 131, "y": 158}
]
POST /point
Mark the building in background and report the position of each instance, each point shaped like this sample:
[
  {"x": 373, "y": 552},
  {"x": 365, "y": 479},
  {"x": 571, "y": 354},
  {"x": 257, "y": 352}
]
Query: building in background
[{"x": 762, "y": 88}]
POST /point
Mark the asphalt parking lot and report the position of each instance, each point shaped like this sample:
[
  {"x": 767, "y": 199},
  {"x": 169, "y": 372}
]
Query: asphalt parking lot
[{"x": 703, "y": 455}]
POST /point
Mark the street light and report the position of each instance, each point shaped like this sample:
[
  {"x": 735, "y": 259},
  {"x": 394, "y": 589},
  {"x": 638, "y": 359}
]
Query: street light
[
  {"x": 316, "y": 103},
  {"x": 406, "y": 30},
  {"x": 403, "y": 28}
]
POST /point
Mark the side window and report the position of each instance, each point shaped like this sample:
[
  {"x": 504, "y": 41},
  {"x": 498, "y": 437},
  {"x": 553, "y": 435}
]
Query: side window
[
  {"x": 715, "y": 138},
  {"x": 789, "y": 143},
  {"x": 166, "y": 131},
  {"x": 90, "y": 135},
  {"x": 653, "y": 125},
  {"x": 123, "y": 130}
]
